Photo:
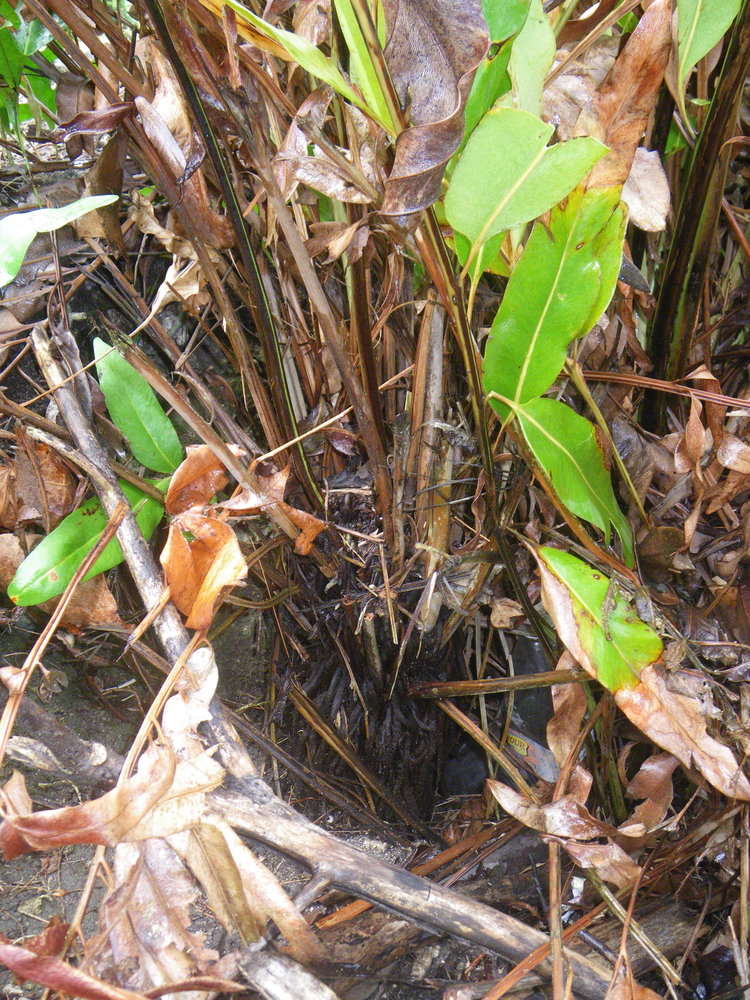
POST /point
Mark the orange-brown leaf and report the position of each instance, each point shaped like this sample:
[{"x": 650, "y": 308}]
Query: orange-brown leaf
[
  {"x": 677, "y": 722},
  {"x": 198, "y": 477}
]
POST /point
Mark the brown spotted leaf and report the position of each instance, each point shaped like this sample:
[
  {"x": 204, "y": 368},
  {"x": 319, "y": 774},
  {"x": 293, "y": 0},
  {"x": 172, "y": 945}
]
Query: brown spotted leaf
[{"x": 433, "y": 49}]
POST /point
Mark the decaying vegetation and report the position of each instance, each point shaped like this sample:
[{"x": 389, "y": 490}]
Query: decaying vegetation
[{"x": 341, "y": 335}]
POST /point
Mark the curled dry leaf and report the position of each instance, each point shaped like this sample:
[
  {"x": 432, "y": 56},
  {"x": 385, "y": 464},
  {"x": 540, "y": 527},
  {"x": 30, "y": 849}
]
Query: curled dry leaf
[
  {"x": 646, "y": 191},
  {"x": 653, "y": 784},
  {"x": 570, "y": 92},
  {"x": 106, "y": 820},
  {"x": 309, "y": 528},
  {"x": 198, "y": 478},
  {"x": 734, "y": 454},
  {"x": 565, "y": 817},
  {"x": 608, "y": 860},
  {"x": 504, "y": 611},
  {"x": 58, "y": 975},
  {"x": 433, "y": 48},
  {"x": 677, "y": 723},
  {"x": 624, "y": 987},
  {"x": 619, "y": 114},
  {"x": 569, "y": 703},
  {"x": 266, "y": 489},
  {"x": 324, "y": 175},
  {"x": 153, "y": 901},
  {"x": 199, "y": 569}
]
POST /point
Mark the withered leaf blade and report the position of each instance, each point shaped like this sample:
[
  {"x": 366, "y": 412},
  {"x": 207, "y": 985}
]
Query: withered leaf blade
[
  {"x": 677, "y": 723},
  {"x": 198, "y": 477},
  {"x": 620, "y": 113},
  {"x": 58, "y": 975},
  {"x": 105, "y": 820},
  {"x": 95, "y": 122},
  {"x": 433, "y": 49}
]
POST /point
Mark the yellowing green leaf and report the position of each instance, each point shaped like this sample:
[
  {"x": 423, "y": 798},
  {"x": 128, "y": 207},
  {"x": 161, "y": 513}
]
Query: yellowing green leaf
[
  {"x": 508, "y": 175},
  {"x": 597, "y": 624}
]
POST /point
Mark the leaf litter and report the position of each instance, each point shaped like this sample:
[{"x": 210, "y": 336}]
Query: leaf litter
[{"x": 378, "y": 564}]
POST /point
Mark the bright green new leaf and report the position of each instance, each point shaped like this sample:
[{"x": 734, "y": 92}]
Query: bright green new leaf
[
  {"x": 595, "y": 621},
  {"x": 532, "y": 56},
  {"x": 136, "y": 411},
  {"x": 309, "y": 58},
  {"x": 508, "y": 175},
  {"x": 361, "y": 66},
  {"x": 700, "y": 25},
  {"x": 568, "y": 451},
  {"x": 504, "y": 17},
  {"x": 49, "y": 568},
  {"x": 19, "y": 229},
  {"x": 557, "y": 291}
]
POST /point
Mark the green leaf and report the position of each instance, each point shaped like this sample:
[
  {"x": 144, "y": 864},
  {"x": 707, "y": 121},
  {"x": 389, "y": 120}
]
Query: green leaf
[
  {"x": 8, "y": 13},
  {"x": 557, "y": 291},
  {"x": 32, "y": 36},
  {"x": 700, "y": 25},
  {"x": 49, "y": 568},
  {"x": 491, "y": 81},
  {"x": 504, "y": 17},
  {"x": 309, "y": 57},
  {"x": 11, "y": 58},
  {"x": 593, "y": 619},
  {"x": 507, "y": 175},
  {"x": 18, "y": 230},
  {"x": 567, "y": 449},
  {"x": 136, "y": 411},
  {"x": 532, "y": 56},
  {"x": 361, "y": 67}
]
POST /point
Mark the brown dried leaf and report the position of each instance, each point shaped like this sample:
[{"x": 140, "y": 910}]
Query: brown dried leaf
[
  {"x": 653, "y": 784},
  {"x": 8, "y": 498},
  {"x": 309, "y": 528},
  {"x": 565, "y": 817},
  {"x": 569, "y": 702},
  {"x": 266, "y": 490},
  {"x": 92, "y": 604},
  {"x": 44, "y": 485},
  {"x": 575, "y": 88},
  {"x": 325, "y": 176},
  {"x": 198, "y": 570},
  {"x": 11, "y": 557},
  {"x": 504, "y": 611},
  {"x": 198, "y": 478},
  {"x": 94, "y": 122},
  {"x": 433, "y": 48},
  {"x": 734, "y": 454},
  {"x": 620, "y": 112},
  {"x": 624, "y": 987},
  {"x": 106, "y": 820},
  {"x": 153, "y": 901},
  {"x": 646, "y": 191},
  {"x": 676, "y": 721},
  {"x": 58, "y": 975},
  {"x": 609, "y": 861}
]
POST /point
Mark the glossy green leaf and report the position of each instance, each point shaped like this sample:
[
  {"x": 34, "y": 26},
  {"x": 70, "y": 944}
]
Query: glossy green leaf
[
  {"x": 595, "y": 621},
  {"x": 136, "y": 411},
  {"x": 531, "y": 58},
  {"x": 700, "y": 25},
  {"x": 9, "y": 14},
  {"x": 504, "y": 17},
  {"x": 567, "y": 449},
  {"x": 19, "y": 229},
  {"x": 508, "y": 175},
  {"x": 49, "y": 568},
  {"x": 557, "y": 291},
  {"x": 308, "y": 56}
]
